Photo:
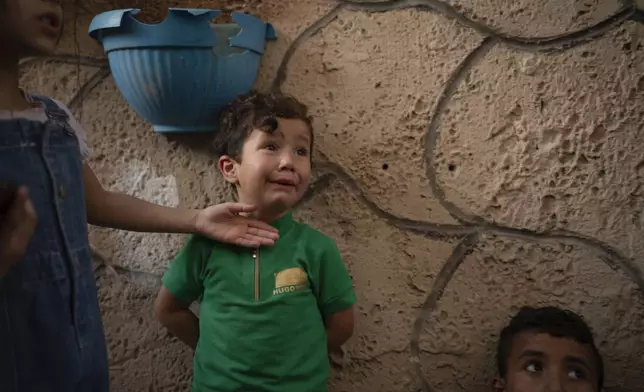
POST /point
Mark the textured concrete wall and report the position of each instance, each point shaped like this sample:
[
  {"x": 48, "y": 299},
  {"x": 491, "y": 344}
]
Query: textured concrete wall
[{"x": 473, "y": 157}]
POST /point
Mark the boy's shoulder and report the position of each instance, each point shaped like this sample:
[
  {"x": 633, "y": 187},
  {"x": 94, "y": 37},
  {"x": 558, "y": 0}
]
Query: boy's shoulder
[{"x": 313, "y": 237}]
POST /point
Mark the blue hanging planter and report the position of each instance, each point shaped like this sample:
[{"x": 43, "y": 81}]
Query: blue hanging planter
[{"x": 179, "y": 73}]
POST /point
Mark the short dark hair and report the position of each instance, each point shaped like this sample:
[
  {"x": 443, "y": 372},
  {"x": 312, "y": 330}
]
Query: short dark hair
[
  {"x": 550, "y": 320},
  {"x": 252, "y": 111}
]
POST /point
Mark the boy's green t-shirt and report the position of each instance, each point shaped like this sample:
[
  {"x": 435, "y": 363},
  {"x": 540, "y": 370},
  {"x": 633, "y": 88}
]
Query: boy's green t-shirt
[{"x": 261, "y": 311}]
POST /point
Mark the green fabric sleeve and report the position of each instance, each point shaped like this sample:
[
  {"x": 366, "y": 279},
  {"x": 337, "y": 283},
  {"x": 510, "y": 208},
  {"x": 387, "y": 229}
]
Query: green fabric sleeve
[
  {"x": 183, "y": 277},
  {"x": 335, "y": 286}
]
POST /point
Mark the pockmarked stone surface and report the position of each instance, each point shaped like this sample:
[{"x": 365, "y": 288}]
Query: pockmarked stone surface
[
  {"x": 552, "y": 142},
  {"x": 471, "y": 158}
]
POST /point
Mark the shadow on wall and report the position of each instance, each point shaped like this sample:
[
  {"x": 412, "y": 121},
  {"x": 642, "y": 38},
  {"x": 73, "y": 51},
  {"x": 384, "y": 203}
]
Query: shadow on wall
[{"x": 473, "y": 233}]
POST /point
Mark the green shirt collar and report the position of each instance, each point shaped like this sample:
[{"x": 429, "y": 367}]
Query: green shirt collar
[{"x": 284, "y": 223}]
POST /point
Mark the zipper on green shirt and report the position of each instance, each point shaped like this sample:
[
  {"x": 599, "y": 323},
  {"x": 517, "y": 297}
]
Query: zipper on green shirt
[{"x": 256, "y": 257}]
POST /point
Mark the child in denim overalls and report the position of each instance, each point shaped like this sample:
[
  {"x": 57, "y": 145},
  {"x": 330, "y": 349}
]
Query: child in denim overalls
[{"x": 51, "y": 335}]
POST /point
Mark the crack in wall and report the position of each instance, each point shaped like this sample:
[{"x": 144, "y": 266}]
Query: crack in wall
[
  {"x": 465, "y": 247},
  {"x": 471, "y": 228},
  {"x": 69, "y": 59},
  {"x": 431, "y": 136},
  {"x": 429, "y": 229},
  {"x": 540, "y": 44},
  {"x": 309, "y": 32}
]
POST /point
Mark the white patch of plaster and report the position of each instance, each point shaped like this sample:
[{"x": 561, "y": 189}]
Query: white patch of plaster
[
  {"x": 162, "y": 190},
  {"x": 149, "y": 252},
  {"x": 529, "y": 64},
  {"x": 141, "y": 180}
]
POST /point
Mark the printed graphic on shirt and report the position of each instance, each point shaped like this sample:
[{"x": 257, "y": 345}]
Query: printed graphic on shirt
[{"x": 290, "y": 280}]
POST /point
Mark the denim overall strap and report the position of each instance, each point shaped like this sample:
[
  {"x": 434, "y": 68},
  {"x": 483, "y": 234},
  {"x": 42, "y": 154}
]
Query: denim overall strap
[
  {"x": 51, "y": 335},
  {"x": 53, "y": 111},
  {"x": 57, "y": 116}
]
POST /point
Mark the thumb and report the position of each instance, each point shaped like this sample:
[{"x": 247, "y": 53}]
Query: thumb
[
  {"x": 21, "y": 196},
  {"x": 20, "y": 199},
  {"x": 236, "y": 208},
  {"x": 19, "y": 207}
]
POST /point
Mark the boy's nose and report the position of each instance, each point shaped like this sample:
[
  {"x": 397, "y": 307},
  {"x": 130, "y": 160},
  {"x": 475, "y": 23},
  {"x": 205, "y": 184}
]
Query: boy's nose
[
  {"x": 555, "y": 383},
  {"x": 286, "y": 161}
]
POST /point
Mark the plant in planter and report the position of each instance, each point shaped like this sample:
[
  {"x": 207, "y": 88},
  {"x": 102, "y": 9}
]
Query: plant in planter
[{"x": 179, "y": 73}]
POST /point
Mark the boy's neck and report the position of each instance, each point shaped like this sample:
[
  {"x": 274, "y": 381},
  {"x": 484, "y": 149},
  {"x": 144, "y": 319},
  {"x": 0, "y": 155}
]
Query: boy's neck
[
  {"x": 11, "y": 97},
  {"x": 266, "y": 215}
]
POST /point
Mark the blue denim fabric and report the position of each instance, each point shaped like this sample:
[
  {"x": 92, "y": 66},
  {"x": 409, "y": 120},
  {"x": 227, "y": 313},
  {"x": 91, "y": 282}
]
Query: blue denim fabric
[{"x": 51, "y": 334}]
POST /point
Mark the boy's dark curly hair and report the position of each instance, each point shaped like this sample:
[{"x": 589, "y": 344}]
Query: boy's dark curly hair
[
  {"x": 252, "y": 111},
  {"x": 552, "y": 321}
]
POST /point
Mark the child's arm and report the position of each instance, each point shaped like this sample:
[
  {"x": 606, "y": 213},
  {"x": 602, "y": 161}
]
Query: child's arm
[
  {"x": 182, "y": 285},
  {"x": 177, "y": 317},
  {"x": 335, "y": 297},
  {"x": 339, "y": 328},
  {"x": 220, "y": 222}
]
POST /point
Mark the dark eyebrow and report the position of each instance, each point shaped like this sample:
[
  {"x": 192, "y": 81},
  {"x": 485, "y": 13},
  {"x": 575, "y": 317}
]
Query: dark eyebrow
[
  {"x": 276, "y": 134},
  {"x": 578, "y": 361},
  {"x": 532, "y": 353}
]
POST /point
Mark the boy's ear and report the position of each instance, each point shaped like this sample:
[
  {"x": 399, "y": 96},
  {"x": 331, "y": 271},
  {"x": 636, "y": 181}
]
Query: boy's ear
[
  {"x": 228, "y": 168},
  {"x": 498, "y": 385}
]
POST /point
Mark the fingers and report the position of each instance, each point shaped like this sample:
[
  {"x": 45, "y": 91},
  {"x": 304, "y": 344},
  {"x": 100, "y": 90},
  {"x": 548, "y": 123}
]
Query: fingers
[
  {"x": 246, "y": 243},
  {"x": 263, "y": 230},
  {"x": 253, "y": 241},
  {"x": 22, "y": 197},
  {"x": 17, "y": 228},
  {"x": 21, "y": 213},
  {"x": 259, "y": 226},
  {"x": 261, "y": 240},
  {"x": 236, "y": 208},
  {"x": 22, "y": 216}
]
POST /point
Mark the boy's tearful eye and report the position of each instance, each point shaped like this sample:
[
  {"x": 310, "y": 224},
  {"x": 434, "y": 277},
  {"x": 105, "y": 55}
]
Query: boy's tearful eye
[
  {"x": 576, "y": 374},
  {"x": 271, "y": 147},
  {"x": 533, "y": 367}
]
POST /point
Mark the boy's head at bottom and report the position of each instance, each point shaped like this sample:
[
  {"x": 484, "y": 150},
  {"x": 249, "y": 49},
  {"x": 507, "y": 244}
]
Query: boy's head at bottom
[
  {"x": 264, "y": 144},
  {"x": 548, "y": 350}
]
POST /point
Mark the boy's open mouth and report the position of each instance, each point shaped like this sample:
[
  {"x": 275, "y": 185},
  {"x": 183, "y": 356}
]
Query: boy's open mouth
[{"x": 284, "y": 182}]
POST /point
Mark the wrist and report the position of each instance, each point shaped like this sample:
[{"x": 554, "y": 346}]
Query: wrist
[{"x": 192, "y": 222}]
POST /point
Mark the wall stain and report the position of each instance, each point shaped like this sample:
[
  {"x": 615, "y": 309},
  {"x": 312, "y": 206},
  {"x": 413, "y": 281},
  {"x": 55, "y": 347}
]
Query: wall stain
[{"x": 470, "y": 228}]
